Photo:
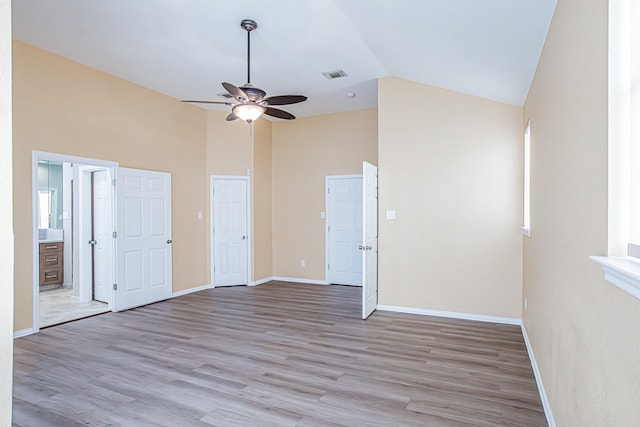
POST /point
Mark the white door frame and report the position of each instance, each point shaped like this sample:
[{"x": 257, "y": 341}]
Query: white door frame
[
  {"x": 249, "y": 217},
  {"x": 36, "y": 156},
  {"x": 327, "y": 179}
]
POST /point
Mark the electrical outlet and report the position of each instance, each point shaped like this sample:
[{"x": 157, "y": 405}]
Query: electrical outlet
[
  {"x": 526, "y": 303},
  {"x": 302, "y": 263}
]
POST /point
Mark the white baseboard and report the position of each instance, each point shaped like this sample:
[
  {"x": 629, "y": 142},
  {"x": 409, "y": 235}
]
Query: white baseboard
[
  {"x": 23, "y": 333},
  {"x": 536, "y": 373},
  {"x": 298, "y": 280},
  {"x": 191, "y": 290},
  {"x": 451, "y": 314},
  {"x": 261, "y": 281}
]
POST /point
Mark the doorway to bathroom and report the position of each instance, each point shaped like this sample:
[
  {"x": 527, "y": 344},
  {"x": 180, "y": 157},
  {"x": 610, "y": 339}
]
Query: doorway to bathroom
[{"x": 73, "y": 244}]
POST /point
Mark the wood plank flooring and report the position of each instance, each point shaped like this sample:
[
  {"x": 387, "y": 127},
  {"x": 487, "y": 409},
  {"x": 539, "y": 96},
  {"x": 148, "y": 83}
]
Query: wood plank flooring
[{"x": 279, "y": 354}]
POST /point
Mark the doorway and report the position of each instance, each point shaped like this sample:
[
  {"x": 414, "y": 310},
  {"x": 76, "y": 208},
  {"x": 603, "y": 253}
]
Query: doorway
[
  {"x": 65, "y": 199},
  {"x": 230, "y": 237},
  {"x": 344, "y": 229},
  {"x": 352, "y": 233}
]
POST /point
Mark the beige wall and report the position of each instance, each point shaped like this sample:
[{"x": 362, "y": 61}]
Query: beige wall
[
  {"x": 305, "y": 151},
  {"x": 584, "y": 331},
  {"x": 6, "y": 220},
  {"x": 450, "y": 166},
  {"x": 229, "y": 145},
  {"x": 64, "y": 107},
  {"x": 262, "y": 195}
]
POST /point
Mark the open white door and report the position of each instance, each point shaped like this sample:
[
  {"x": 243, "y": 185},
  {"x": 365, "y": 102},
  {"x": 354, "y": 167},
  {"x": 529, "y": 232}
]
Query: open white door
[
  {"x": 143, "y": 218},
  {"x": 229, "y": 229},
  {"x": 102, "y": 239},
  {"x": 370, "y": 239}
]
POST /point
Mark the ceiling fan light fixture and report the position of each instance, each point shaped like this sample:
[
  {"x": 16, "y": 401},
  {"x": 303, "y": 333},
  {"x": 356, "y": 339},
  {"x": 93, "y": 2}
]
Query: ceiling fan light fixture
[{"x": 248, "y": 112}]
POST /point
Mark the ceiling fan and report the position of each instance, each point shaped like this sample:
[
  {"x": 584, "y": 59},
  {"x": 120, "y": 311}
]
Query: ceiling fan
[{"x": 251, "y": 102}]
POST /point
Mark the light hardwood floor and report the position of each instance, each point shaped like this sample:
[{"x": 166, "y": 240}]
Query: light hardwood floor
[{"x": 278, "y": 354}]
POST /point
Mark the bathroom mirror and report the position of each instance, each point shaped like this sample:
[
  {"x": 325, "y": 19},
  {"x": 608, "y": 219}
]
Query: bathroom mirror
[{"x": 49, "y": 194}]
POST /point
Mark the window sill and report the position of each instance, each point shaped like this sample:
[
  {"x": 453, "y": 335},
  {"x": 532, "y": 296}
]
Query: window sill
[
  {"x": 526, "y": 231},
  {"x": 624, "y": 272}
]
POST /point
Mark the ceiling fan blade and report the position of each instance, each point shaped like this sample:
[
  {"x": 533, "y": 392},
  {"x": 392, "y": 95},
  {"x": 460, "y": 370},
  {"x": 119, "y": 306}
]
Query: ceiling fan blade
[
  {"x": 281, "y": 114},
  {"x": 231, "y": 117},
  {"x": 207, "y": 102},
  {"x": 235, "y": 91},
  {"x": 285, "y": 99}
]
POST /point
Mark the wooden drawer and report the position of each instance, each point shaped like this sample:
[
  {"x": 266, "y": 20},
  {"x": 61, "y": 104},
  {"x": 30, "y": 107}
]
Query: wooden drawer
[
  {"x": 50, "y": 260},
  {"x": 51, "y": 276},
  {"x": 51, "y": 246},
  {"x": 51, "y": 263}
]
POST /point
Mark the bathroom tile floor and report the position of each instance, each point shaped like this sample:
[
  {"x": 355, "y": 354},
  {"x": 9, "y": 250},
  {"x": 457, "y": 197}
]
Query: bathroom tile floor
[{"x": 56, "y": 307}]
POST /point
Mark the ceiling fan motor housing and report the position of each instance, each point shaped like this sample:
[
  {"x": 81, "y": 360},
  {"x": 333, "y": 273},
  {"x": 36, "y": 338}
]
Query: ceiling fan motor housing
[{"x": 255, "y": 94}]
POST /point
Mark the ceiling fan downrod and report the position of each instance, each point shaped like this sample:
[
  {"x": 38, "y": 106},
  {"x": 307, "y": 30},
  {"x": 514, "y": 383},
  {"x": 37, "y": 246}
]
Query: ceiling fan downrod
[{"x": 248, "y": 25}]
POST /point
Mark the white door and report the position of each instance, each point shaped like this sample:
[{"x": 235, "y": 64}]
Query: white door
[
  {"x": 344, "y": 230},
  {"x": 102, "y": 238},
  {"x": 370, "y": 239},
  {"x": 229, "y": 228},
  {"x": 143, "y": 218}
]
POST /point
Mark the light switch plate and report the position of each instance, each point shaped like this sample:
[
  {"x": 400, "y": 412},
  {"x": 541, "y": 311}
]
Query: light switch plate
[
  {"x": 391, "y": 214},
  {"x": 322, "y": 216}
]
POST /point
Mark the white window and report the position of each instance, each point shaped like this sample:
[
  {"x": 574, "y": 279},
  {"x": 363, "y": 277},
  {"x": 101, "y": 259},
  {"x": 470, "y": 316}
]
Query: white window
[
  {"x": 624, "y": 127},
  {"x": 526, "y": 222},
  {"x": 622, "y": 265}
]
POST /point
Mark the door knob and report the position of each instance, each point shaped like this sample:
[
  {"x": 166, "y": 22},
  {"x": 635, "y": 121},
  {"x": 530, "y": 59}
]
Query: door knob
[
  {"x": 244, "y": 237},
  {"x": 169, "y": 241},
  {"x": 93, "y": 242}
]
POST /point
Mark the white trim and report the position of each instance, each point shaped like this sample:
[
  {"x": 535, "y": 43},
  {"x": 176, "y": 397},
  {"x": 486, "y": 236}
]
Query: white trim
[
  {"x": 246, "y": 178},
  {"x": 451, "y": 314},
  {"x": 536, "y": 373},
  {"x": 35, "y": 271},
  {"x": 191, "y": 290},
  {"x": 623, "y": 272},
  {"x": 23, "y": 333},
  {"x": 327, "y": 216},
  {"x": 261, "y": 281},
  {"x": 299, "y": 280}
]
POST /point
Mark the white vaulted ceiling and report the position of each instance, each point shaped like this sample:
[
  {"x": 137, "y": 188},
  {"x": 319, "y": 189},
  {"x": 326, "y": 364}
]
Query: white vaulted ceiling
[{"x": 185, "y": 48}]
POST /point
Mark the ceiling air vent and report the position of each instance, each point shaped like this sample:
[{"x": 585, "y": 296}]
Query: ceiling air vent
[{"x": 335, "y": 74}]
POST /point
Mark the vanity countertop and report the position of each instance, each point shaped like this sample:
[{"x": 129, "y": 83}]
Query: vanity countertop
[{"x": 51, "y": 241}]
